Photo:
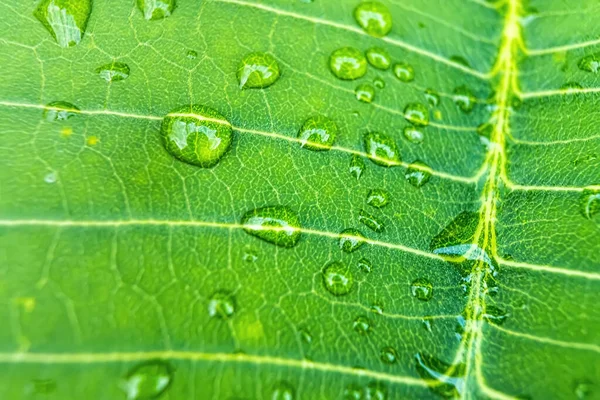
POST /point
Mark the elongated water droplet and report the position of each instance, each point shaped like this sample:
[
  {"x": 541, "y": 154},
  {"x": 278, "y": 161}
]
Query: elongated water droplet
[
  {"x": 318, "y": 133},
  {"x": 361, "y": 325},
  {"x": 148, "y": 380},
  {"x": 348, "y": 63},
  {"x": 413, "y": 134},
  {"x": 432, "y": 97},
  {"x": 378, "y": 198},
  {"x": 417, "y": 114},
  {"x": 352, "y": 392},
  {"x": 197, "y": 135},
  {"x": 278, "y": 225},
  {"x": 156, "y": 9},
  {"x": 460, "y": 60},
  {"x": 495, "y": 315},
  {"x": 404, "y": 72},
  {"x": 60, "y": 111},
  {"x": 365, "y": 93},
  {"x": 357, "y": 166},
  {"x": 283, "y": 390},
  {"x": 370, "y": 221},
  {"x": 427, "y": 324},
  {"x": 305, "y": 335},
  {"x": 112, "y": 72},
  {"x": 379, "y": 58},
  {"x": 590, "y": 203},
  {"x": 66, "y": 20},
  {"x": 374, "y": 18},
  {"x": 221, "y": 304},
  {"x": 377, "y": 309},
  {"x": 257, "y": 70},
  {"x": 376, "y": 391},
  {"x": 388, "y": 355},
  {"x": 590, "y": 63},
  {"x": 351, "y": 239},
  {"x": 381, "y": 149},
  {"x": 443, "y": 379},
  {"x": 365, "y": 265},
  {"x": 418, "y": 173},
  {"x": 337, "y": 278},
  {"x": 421, "y": 289},
  {"x": 464, "y": 98}
]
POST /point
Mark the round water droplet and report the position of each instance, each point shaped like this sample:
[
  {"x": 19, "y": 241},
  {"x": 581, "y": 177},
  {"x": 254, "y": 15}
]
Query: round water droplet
[
  {"x": 417, "y": 114},
  {"x": 379, "y": 58},
  {"x": 422, "y": 289},
  {"x": 348, "y": 63},
  {"x": 357, "y": 166},
  {"x": 192, "y": 54},
  {"x": 156, "y": 9},
  {"x": 112, "y": 72},
  {"x": 361, "y": 325},
  {"x": 66, "y": 20},
  {"x": 376, "y": 391},
  {"x": 250, "y": 256},
  {"x": 351, "y": 240},
  {"x": 418, "y": 173},
  {"x": 221, "y": 304},
  {"x": 197, "y": 135},
  {"x": 590, "y": 63},
  {"x": 590, "y": 203},
  {"x": 365, "y": 93},
  {"x": 353, "y": 392},
  {"x": 381, "y": 149},
  {"x": 432, "y": 97},
  {"x": 283, "y": 391},
  {"x": 464, "y": 98},
  {"x": 379, "y": 83},
  {"x": 378, "y": 198},
  {"x": 370, "y": 221},
  {"x": 148, "y": 380},
  {"x": 60, "y": 111},
  {"x": 404, "y": 72},
  {"x": 278, "y": 225},
  {"x": 50, "y": 177},
  {"x": 258, "y": 70},
  {"x": 374, "y": 18},
  {"x": 413, "y": 134},
  {"x": 317, "y": 133},
  {"x": 365, "y": 265},
  {"x": 388, "y": 355},
  {"x": 337, "y": 278}
]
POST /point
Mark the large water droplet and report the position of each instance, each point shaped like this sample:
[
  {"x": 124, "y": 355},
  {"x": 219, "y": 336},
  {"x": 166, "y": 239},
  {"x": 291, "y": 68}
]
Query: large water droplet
[
  {"x": 365, "y": 93},
  {"x": 156, "y": 9},
  {"x": 443, "y": 379},
  {"x": 590, "y": 203},
  {"x": 357, "y": 166},
  {"x": 278, "y": 225},
  {"x": 115, "y": 71},
  {"x": 378, "y": 198},
  {"x": 66, "y": 20},
  {"x": 197, "y": 135},
  {"x": 370, "y": 221},
  {"x": 351, "y": 239},
  {"x": 257, "y": 70},
  {"x": 376, "y": 391},
  {"x": 365, "y": 265},
  {"x": 421, "y": 289},
  {"x": 362, "y": 325},
  {"x": 374, "y": 18},
  {"x": 413, "y": 134},
  {"x": 148, "y": 380},
  {"x": 283, "y": 391},
  {"x": 221, "y": 304},
  {"x": 417, "y": 114},
  {"x": 337, "y": 278},
  {"x": 381, "y": 149},
  {"x": 404, "y": 72},
  {"x": 418, "y": 173},
  {"x": 432, "y": 97},
  {"x": 590, "y": 63},
  {"x": 318, "y": 133},
  {"x": 378, "y": 58},
  {"x": 60, "y": 111},
  {"x": 348, "y": 63},
  {"x": 464, "y": 98},
  {"x": 388, "y": 355}
]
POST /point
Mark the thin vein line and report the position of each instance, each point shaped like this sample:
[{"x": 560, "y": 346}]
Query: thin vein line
[
  {"x": 554, "y": 142},
  {"x": 554, "y": 342},
  {"x": 549, "y": 269},
  {"x": 535, "y": 188},
  {"x": 557, "y": 92},
  {"x": 550, "y": 50}
]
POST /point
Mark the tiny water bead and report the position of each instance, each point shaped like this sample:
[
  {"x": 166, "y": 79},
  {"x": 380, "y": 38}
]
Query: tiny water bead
[
  {"x": 51, "y": 177},
  {"x": 221, "y": 304},
  {"x": 413, "y": 134},
  {"x": 362, "y": 325},
  {"x": 66, "y": 20},
  {"x": 348, "y": 63},
  {"x": 370, "y": 221},
  {"x": 374, "y": 18},
  {"x": 60, "y": 111},
  {"x": 352, "y": 392},
  {"x": 112, "y": 72},
  {"x": 590, "y": 63},
  {"x": 417, "y": 114},
  {"x": 306, "y": 336},
  {"x": 379, "y": 58},
  {"x": 421, "y": 289},
  {"x": 192, "y": 54},
  {"x": 276, "y": 224},
  {"x": 258, "y": 70},
  {"x": 418, "y": 173},
  {"x": 464, "y": 99},
  {"x": 250, "y": 256},
  {"x": 365, "y": 265},
  {"x": 590, "y": 203},
  {"x": 351, "y": 240},
  {"x": 381, "y": 149},
  {"x": 148, "y": 380},
  {"x": 379, "y": 83},
  {"x": 197, "y": 135},
  {"x": 377, "y": 309},
  {"x": 376, "y": 391},
  {"x": 378, "y": 198},
  {"x": 388, "y": 355},
  {"x": 156, "y": 9},
  {"x": 365, "y": 93},
  {"x": 432, "y": 97},
  {"x": 283, "y": 390},
  {"x": 459, "y": 60},
  {"x": 404, "y": 72},
  {"x": 337, "y": 278},
  {"x": 357, "y": 166},
  {"x": 583, "y": 390},
  {"x": 317, "y": 133}
]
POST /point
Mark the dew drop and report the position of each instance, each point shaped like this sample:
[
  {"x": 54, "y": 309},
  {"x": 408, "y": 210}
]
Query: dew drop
[
  {"x": 221, "y": 304},
  {"x": 590, "y": 203},
  {"x": 379, "y": 83},
  {"x": 197, "y": 135},
  {"x": 306, "y": 336},
  {"x": 357, "y": 166},
  {"x": 377, "y": 309},
  {"x": 365, "y": 93},
  {"x": 417, "y": 114},
  {"x": 374, "y": 18},
  {"x": 361, "y": 325},
  {"x": 50, "y": 177},
  {"x": 278, "y": 225},
  {"x": 148, "y": 380},
  {"x": 583, "y": 390},
  {"x": 60, "y": 111},
  {"x": 460, "y": 60},
  {"x": 388, "y": 355},
  {"x": 365, "y": 265},
  {"x": 257, "y": 70},
  {"x": 427, "y": 324},
  {"x": 464, "y": 98},
  {"x": 590, "y": 63},
  {"x": 413, "y": 134},
  {"x": 317, "y": 133},
  {"x": 370, "y": 221},
  {"x": 418, "y": 173},
  {"x": 378, "y": 58},
  {"x": 250, "y": 256},
  {"x": 112, "y": 72},
  {"x": 495, "y": 315},
  {"x": 283, "y": 391},
  {"x": 421, "y": 289},
  {"x": 192, "y": 54},
  {"x": 353, "y": 392},
  {"x": 404, "y": 72},
  {"x": 156, "y": 9},
  {"x": 378, "y": 198},
  {"x": 337, "y": 278},
  {"x": 381, "y": 149},
  {"x": 348, "y": 63},
  {"x": 443, "y": 379},
  {"x": 351, "y": 240},
  {"x": 376, "y": 391},
  {"x": 432, "y": 97},
  {"x": 66, "y": 20}
]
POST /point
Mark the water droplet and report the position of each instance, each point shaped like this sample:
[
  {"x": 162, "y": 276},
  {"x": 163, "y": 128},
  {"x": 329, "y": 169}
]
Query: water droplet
[
  {"x": 257, "y": 70},
  {"x": 115, "y": 71},
  {"x": 377, "y": 309},
  {"x": 250, "y": 256},
  {"x": 365, "y": 265},
  {"x": 365, "y": 93},
  {"x": 459, "y": 60},
  {"x": 376, "y": 391},
  {"x": 197, "y": 135},
  {"x": 278, "y": 225},
  {"x": 432, "y": 97},
  {"x": 66, "y": 20},
  {"x": 192, "y": 54},
  {"x": 413, "y": 134},
  {"x": 417, "y": 114},
  {"x": 361, "y": 325},
  {"x": 381, "y": 149},
  {"x": 148, "y": 380},
  {"x": 317, "y": 133},
  {"x": 348, "y": 63},
  {"x": 388, "y": 355},
  {"x": 583, "y": 390},
  {"x": 156, "y": 9},
  {"x": 337, "y": 278},
  {"x": 418, "y": 173},
  {"x": 379, "y": 83},
  {"x": 221, "y": 304},
  {"x": 464, "y": 98},
  {"x": 306, "y": 336},
  {"x": 50, "y": 177},
  {"x": 590, "y": 63},
  {"x": 60, "y": 111},
  {"x": 378, "y": 198},
  {"x": 351, "y": 239},
  {"x": 374, "y": 18},
  {"x": 442, "y": 378},
  {"x": 353, "y": 392},
  {"x": 283, "y": 391},
  {"x": 590, "y": 203},
  {"x": 427, "y": 324},
  {"x": 357, "y": 166},
  {"x": 370, "y": 221},
  {"x": 495, "y": 315},
  {"x": 404, "y": 72},
  {"x": 421, "y": 289},
  {"x": 379, "y": 58}
]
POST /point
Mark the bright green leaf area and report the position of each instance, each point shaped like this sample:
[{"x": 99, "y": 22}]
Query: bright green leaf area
[{"x": 128, "y": 273}]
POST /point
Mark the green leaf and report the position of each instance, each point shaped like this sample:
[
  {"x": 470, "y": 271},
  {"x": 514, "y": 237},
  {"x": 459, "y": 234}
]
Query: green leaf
[{"x": 195, "y": 204}]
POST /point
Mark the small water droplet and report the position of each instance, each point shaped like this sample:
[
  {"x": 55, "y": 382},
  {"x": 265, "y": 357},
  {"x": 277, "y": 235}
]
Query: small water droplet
[
  {"x": 381, "y": 149},
  {"x": 221, "y": 304},
  {"x": 378, "y": 198},
  {"x": 353, "y": 392},
  {"x": 317, "y": 133},
  {"x": 442, "y": 378},
  {"x": 148, "y": 380},
  {"x": 590, "y": 63},
  {"x": 357, "y": 166},
  {"x": 413, "y": 134},
  {"x": 417, "y": 114},
  {"x": 388, "y": 355},
  {"x": 418, "y": 173},
  {"x": 376, "y": 391},
  {"x": 365, "y": 265},
  {"x": 590, "y": 203},
  {"x": 305, "y": 335},
  {"x": 432, "y": 97},
  {"x": 365, "y": 93},
  {"x": 192, "y": 54},
  {"x": 112, "y": 72},
  {"x": 283, "y": 391},
  {"x": 374, "y": 18},
  {"x": 337, "y": 278},
  {"x": 50, "y": 177},
  {"x": 459, "y": 60},
  {"x": 156, "y": 9},
  {"x": 404, "y": 72},
  {"x": 377, "y": 309},
  {"x": 348, "y": 63},
  {"x": 370, "y": 221},
  {"x": 421, "y": 289},
  {"x": 361, "y": 325},
  {"x": 379, "y": 83},
  {"x": 583, "y": 390},
  {"x": 197, "y": 135},
  {"x": 427, "y": 324},
  {"x": 351, "y": 239},
  {"x": 250, "y": 256},
  {"x": 257, "y": 70},
  {"x": 464, "y": 99},
  {"x": 60, "y": 111},
  {"x": 379, "y": 58},
  {"x": 66, "y": 20},
  {"x": 495, "y": 315},
  {"x": 278, "y": 225}
]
